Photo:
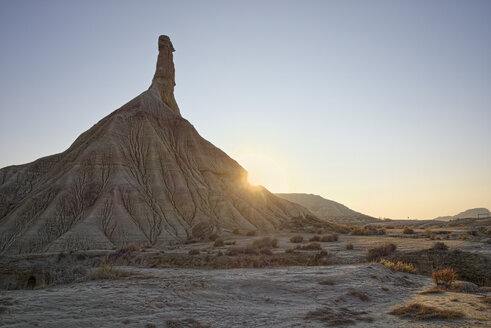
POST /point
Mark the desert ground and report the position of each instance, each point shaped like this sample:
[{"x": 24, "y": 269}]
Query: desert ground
[{"x": 255, "y": 281}]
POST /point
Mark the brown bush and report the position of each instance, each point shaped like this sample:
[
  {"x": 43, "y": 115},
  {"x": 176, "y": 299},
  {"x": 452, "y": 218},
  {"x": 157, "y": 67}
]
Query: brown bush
[
  {"x": 376, "y": 253},
  {"x": 296, "y": 239},
  {"x": 444, "y": 277},
  {"x": 265, "y": 242},
  {"x": 218, "y": 243},
  {"x": 194, "y": 251},
  {"x": 236, "y": 232},
  {"x": 213, "y": 237},
  {"x": 320, "y": 231},
  {"x": 407, "y": 231},
  {"x": 368, "y": 230},
  {"x": 349, "y": 246},
  {"x": 330, "y": 238},
  {"x": 251, "y": 233},
  {"x": 315, "y": 238},
  {"x": 439, "y": 246}
]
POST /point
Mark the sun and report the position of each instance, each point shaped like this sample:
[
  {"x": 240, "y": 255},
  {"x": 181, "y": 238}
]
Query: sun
[{"x": 264, "y": 170}]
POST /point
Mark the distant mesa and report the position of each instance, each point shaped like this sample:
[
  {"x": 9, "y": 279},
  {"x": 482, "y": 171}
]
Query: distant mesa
[
  {"x": 329, "y": 210},
  {"x": 141, "y": 175},
  {"x": 473, "y": 213}
]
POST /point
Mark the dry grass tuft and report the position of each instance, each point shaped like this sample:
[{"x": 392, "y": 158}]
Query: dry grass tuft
[
  {"x": 407, "y": 231},
  {"x": 486, "y": 299},
  {"x": 399, "y": 266},
  {"x": 439, "y": 246},
  {"x": 265, "y": 242},
  {"x": 218, "y": 243},
  {"x": 368, "y": 230},
  {"x": 356, "y": 293},
  {"x": 106, "y": 271},
  {"x": 424, "y": 312},
  {"x": 327, "y": 282},
  {"x": 378, "y": 252},
  {"x": 444, "y": 277},
  {"x": 315, "y": 238},
  {"x": 296, "y": 239},
  {"x": 194, "y": 251},
  {"x": 349, "y": 246},
  {"x": 330, "y": 238}
]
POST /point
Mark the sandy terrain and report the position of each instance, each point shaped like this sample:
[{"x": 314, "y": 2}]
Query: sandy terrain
[{"x": 276, "y": 297}]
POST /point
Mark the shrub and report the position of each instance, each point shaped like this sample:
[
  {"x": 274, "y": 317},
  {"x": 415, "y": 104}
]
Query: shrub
[
  {"x": 251, "y": 233},
  {"x": 230, "y": 242},
  {"x": 399, "y": 266},
  {"x": 368, "y": 230},
  {"x": 380, "y": 251},
  {"x": 439, "y": 246},
  {"x": 315, "y": 238},
  {"x": 105, "y": 270},
  {"x": 407, "y": 231},
  {"x": 265, "y": 242},
  {"x": 349, "y": 246},
  {"x": 213, "y": 237},
  {"x": 423, "y": 312},
  {"x": 330, "y": 238},
  {"x": 218, "y": 243},
  {"x": 362, "y": 296},
  {"x": 444, "y": 277},
  {"x": 309, "y": 247},
  {"x": 236, "y": 232},
  {"x": 193, "y": 252},
  {"x": 320, "y": 231},
  {"x": 296, "y": 239}
]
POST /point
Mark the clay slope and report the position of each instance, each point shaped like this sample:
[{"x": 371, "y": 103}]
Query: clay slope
[
  {"x": 142, "y": 174},
  {"x": 328, "y": 210}
]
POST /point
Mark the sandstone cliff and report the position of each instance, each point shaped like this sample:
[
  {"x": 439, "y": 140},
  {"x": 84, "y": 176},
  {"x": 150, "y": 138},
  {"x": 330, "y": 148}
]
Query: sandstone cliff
[{"x": 142, "y": 174}]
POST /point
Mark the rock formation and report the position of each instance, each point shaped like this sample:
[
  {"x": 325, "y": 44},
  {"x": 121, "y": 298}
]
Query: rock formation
[{"x": 141, "y": 175}]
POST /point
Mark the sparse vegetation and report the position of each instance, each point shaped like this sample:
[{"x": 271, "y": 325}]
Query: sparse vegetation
[
  {"x": 399, "y": 266},
  {"x": 330, "y": 238},
  {"x": 439, "y": 246},
  {"x": 327, "y": 282},
  {"x": 296, "y": 239},
  {"x": 236, "y": 232},
  {"x": 265, "y": 242},
  {"x": 194, "y": 251},
  {"x": 356, "y": 293},
  {"x": 444, "y": 277},
  {"x": 106, "y": 271},
  {"x": 407, "y": 231},
  {"x": 424, "y": 312},
  {"x": 376, "y": 253},
  {"x": 349, "y": 246},
  {"x": 251, "y": 233},
  {"x": 213, "y": 236},
  {"x": 315, "y": 238},
  {"x": 368, "y": 230},
  {"x": 218, "y": 243}
]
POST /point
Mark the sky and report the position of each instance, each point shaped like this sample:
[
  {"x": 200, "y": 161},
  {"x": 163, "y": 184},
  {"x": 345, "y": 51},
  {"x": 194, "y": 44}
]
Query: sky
[{"x": 384, "y": 106}]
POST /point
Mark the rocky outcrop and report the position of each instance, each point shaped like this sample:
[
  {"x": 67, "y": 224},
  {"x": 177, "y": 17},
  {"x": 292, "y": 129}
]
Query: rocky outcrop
[{"x": 141, "y": 175}]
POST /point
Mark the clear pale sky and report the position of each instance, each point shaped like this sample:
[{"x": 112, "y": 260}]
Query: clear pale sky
[{"x": 384, "y": 106}]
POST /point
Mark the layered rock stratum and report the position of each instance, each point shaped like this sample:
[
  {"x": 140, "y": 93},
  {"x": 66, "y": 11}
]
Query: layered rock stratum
[{"x": 141, "y": 175}]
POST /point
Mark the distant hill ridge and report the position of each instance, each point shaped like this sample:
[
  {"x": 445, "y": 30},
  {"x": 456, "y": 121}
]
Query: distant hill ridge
[
  {"x": 472, "y": 213},
  {"x": 327, "y": 209}
]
